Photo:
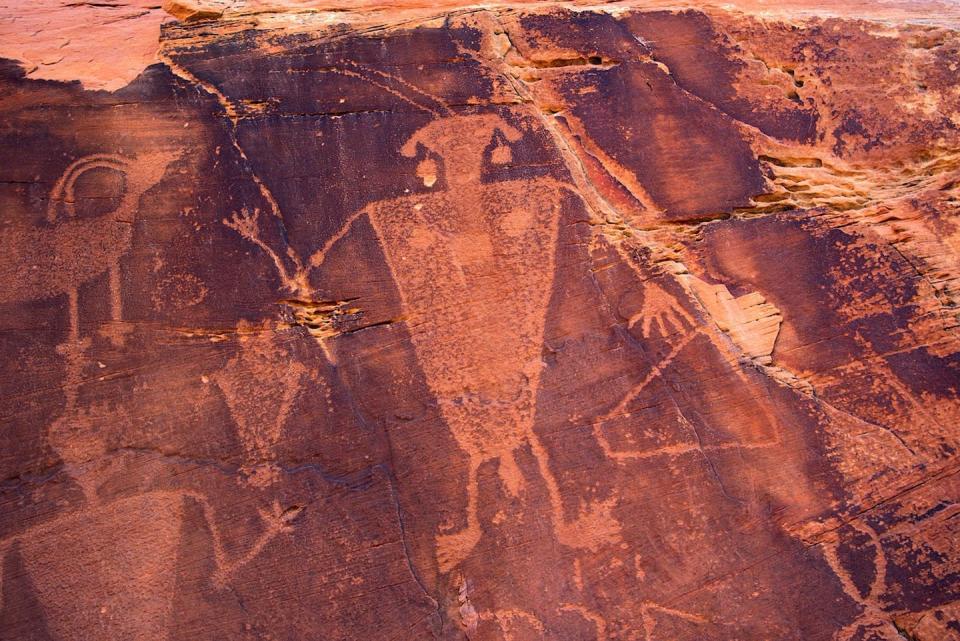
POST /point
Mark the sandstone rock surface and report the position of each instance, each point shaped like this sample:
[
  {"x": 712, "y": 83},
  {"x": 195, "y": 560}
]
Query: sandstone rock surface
[{"x": 516, "y": 321}]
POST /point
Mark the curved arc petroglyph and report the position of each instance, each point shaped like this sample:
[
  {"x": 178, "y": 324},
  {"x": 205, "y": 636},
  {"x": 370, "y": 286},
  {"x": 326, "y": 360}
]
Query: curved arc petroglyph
[
  {"x": 873, "y": 613},
  {"x": 63, "y": 193}
]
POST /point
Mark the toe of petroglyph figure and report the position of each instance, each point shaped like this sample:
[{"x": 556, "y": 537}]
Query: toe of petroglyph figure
[{"x": 453, "y": 548}]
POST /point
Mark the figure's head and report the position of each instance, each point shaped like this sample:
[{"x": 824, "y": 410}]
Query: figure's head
[
  {"x": 147, "y": 169},
  {"x": 461, "y": 142}
]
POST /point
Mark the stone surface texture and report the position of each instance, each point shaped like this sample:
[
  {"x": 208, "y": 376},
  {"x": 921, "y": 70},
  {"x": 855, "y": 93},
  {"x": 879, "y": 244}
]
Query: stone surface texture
[{"x": 373, "y": 321}]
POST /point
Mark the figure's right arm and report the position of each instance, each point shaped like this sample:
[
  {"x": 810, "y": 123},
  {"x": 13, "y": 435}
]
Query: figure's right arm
[
  {"x": 247, "y": 224},
  {"x": 319, "y": 256}
]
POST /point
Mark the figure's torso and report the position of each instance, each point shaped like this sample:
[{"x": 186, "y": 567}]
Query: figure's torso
[{"x": 475, "y": 280}]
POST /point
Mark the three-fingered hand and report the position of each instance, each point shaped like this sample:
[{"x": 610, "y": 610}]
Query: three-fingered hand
[{"x": 277, "y": 519}]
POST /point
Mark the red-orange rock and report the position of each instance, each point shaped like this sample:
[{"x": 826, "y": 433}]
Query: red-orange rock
[{"x": 517, "y": 322}]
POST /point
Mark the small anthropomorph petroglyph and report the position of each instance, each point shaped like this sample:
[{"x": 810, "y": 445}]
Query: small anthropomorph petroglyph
[
  {"x": 260, "y": 385},
  {"x": 96, "y": 566}
]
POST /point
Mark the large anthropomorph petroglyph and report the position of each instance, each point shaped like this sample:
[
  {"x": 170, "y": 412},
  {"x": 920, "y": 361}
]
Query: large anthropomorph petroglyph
[{"x": 474, "y": 264}]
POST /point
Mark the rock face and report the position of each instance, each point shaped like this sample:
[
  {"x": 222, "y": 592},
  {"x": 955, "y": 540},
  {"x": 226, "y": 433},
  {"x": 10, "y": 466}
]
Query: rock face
[{"x": 522, "y": 322}]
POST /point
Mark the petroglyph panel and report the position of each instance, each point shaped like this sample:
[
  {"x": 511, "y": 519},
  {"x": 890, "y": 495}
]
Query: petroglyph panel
[{"x": 505, "y": 323}]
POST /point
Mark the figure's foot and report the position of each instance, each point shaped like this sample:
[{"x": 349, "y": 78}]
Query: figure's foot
[
  {"x": 594, "y": 528},
  {"x": 277, "y": 520},
  {"x": 453, "y": 548}
]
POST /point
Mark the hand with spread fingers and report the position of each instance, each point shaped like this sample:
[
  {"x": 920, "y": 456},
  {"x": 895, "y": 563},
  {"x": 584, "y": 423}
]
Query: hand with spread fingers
[{"x": 663, "y": 310}]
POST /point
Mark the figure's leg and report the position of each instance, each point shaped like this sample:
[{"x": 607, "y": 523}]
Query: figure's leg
[
  {"x": 116, "y": 305},
  {"x": 72, "y": 351},
  {"x": 453, "y": 548},
  {"x": 510, "y": 473},
  {"x": 73, "y": 312},
  {"x": 118, "y": 332}
]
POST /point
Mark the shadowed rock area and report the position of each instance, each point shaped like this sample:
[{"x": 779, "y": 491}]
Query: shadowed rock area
[{"x": 514, "y": 322}]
